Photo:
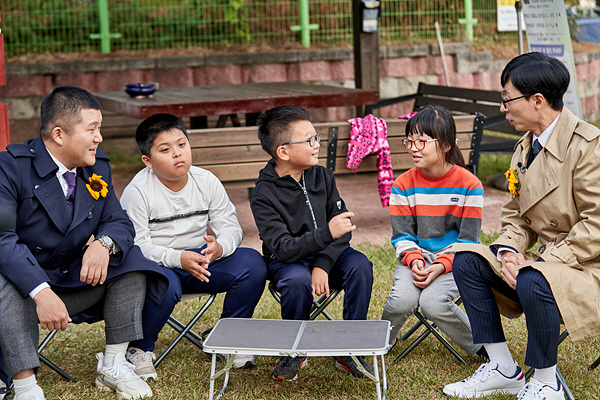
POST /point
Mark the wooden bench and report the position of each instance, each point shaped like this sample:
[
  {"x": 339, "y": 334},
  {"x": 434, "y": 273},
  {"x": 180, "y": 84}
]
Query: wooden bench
[
  {"x": 462, "y": 101},
  {"x": 235, "y": 156}
]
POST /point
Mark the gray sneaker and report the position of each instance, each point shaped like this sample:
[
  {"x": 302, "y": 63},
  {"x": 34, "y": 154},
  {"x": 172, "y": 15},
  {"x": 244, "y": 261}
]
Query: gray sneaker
[
  {"x": 144, "y": 363},
  {"x": 288, "y": 368},
  {"x": 347, "y": 364}
]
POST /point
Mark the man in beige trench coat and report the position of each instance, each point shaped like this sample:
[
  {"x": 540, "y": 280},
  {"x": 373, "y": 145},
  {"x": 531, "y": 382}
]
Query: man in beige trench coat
[{"x": 556, "y": 200}]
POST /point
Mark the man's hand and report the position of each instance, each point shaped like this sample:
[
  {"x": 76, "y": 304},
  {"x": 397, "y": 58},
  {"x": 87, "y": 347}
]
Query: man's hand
[
  {"x": 320, "y": 281},
  {"x": 194, "y": 263},
  {"x": 52, "y": 312},
  {"x": 212, "y": 251},
  {"x": 94, "y": 265},
  {"x": 423, "y": 277},
  {"x": 510, "y": 262},
  {"x": 341, "y": 224}
]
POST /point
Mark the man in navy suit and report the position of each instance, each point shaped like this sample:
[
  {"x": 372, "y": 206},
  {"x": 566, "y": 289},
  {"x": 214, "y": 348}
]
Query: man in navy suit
[{"x": 67, "y": 252}]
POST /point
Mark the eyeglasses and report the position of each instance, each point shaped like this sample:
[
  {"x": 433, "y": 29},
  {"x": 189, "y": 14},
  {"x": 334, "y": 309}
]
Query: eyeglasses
[
  {"x": 418, "y": 143},
  {"x": 312, "y": 141},
  {"x": 506, "y": 101}
]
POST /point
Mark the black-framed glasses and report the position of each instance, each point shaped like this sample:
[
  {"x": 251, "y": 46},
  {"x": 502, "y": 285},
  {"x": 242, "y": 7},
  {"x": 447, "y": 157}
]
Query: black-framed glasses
[
  {"x": 312, "y": 141},
  {"x": 506, "y": 101},
  {"x": 417, "y": 143}
]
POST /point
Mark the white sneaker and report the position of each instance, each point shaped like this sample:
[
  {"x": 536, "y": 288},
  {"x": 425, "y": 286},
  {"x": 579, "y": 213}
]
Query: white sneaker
[
  {"x": 35, "y": 393},
  {"x": 485, "y": 381},
  {"x": 144, "y": 363},
  {"x": 121, "y": 379},
  {"x": 243, "y": 361},
  {"x": 536, "y": 390}
]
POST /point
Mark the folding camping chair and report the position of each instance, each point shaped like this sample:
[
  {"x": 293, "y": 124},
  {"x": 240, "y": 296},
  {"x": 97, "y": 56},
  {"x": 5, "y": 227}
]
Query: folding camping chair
[
  {"x": 319, "y": 305},
  {"x": 49, "y": 363},
  {"x": 431, "y": 328},
  {"x": 186, "y": 330},
  {"x": 594, "y": 364}
]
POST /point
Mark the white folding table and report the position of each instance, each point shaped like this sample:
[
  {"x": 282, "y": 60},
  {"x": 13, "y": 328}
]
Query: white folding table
[{"x": 276, "y": 337}]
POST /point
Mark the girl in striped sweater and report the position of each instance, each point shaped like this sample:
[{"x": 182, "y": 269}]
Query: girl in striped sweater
[{"x": 433, "y": 205}]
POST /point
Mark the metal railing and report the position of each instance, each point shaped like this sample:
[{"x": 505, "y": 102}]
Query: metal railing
[{"x": 33, "y": 27}]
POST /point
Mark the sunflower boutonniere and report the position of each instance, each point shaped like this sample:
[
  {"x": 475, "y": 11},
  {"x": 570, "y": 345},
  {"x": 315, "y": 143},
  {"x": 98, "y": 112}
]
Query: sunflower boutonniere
[
  {"x": 97, "y": 187},
  {"x": 513, "y": 182}
]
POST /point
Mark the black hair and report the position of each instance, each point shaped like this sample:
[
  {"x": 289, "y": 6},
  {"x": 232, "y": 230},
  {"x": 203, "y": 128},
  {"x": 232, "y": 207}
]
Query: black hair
[
  {"x": 154, "y": 125},
  {"x": 62, "y": 107},
  {"x": 438, "y": 123},
  {"x": 274, "y": 126},
  {"x": 533, "y": 73}
]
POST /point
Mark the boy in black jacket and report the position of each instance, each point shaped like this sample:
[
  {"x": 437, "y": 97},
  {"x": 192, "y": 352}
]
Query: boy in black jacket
[{"x": 306, "y": 229}]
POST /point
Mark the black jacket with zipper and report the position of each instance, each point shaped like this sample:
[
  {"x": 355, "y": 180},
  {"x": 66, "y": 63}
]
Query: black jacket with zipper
[{"x": 282, "y": 212}]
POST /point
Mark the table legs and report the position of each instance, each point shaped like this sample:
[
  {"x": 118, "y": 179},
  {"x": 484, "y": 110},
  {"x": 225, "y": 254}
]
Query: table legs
[
  {"x": 214, "y": 375},
  {"x": 380, "y": 383}
]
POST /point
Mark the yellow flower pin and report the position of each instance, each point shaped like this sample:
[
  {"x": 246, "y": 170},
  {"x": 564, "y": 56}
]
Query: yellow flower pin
[
  {"x": 97, "y": 187},
  {"x": 513, "y": 182}
]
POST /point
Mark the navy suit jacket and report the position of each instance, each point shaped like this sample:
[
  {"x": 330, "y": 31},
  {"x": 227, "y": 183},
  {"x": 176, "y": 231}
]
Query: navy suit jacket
[{"x": 42, "y": 243}]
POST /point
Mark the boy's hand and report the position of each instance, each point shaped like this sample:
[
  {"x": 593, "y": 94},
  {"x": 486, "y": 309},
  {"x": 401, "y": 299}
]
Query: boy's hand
[
  {"x": 341, "y": 224},
  {"x": 320, "y": 281},
  {"x": 94, "y": 265},
  {"x": 212, "y": 251},
  {"x": 194, "y": 263},
  {"x": 435, "y": 270}
]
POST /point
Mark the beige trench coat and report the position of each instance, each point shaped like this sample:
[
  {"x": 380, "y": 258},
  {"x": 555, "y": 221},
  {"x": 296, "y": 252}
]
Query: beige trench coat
[{"x": 559, "y": 203}]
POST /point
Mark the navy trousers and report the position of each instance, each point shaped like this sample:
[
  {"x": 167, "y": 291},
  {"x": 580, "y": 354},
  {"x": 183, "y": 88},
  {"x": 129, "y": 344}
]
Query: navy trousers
[
  {"x": 352, "y": 272},
  {"x": 475, "y": 279},
  {"x": 242, "y": 275}
]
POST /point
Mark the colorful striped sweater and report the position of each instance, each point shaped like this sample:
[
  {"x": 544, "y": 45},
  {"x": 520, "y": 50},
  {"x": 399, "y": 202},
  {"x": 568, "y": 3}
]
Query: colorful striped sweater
[{"x": 430, "y": 214}]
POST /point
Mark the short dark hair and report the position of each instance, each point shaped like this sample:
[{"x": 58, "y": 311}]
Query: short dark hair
[
  {"x": 274, "y": 126},
  {"x": 62, "y": 107},
  {"x": 154, "y": 125},
  {"x": 437, "y": 122},
  {"x": 534, "y": 72}
]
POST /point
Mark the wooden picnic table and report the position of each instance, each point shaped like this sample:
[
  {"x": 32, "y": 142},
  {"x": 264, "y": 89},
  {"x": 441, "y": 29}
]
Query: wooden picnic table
[{"x": 199, "y": 102}]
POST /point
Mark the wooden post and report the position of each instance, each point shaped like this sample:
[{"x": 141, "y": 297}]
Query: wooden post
[
  {"x": 4, "y": 129},
  {"x": 366, "y": 55}
]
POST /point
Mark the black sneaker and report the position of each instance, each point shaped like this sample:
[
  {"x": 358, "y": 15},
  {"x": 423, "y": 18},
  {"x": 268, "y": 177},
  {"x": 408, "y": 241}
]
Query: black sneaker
[
  {"x": 347, "y": 364},
  {"x": 288, "y": 368}
]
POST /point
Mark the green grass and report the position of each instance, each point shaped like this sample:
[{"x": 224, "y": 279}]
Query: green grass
[
  {"x": 490, "y": 165},
  {"x": 184, "y": 375}
]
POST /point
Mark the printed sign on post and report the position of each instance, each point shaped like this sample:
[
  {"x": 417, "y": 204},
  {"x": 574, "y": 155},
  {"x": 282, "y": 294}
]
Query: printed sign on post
[
  {"x": 507, "y": 16},
  {"x": 548, "y": 32}
]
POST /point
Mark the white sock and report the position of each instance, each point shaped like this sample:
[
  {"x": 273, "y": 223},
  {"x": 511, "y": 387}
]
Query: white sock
[
  {"x": 111, "y": 351},
  {"x": 499, "y": 353},
  {"x": 547, "y": 376},
  {"x": 28, "y": 385}
]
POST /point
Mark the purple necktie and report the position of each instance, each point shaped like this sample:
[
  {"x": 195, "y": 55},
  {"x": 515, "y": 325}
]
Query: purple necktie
[{"x": 70, "y": 178}]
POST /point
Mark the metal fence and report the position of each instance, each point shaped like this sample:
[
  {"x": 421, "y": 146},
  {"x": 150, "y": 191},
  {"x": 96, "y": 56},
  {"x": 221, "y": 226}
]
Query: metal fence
[{"x": 33, "y": 27}]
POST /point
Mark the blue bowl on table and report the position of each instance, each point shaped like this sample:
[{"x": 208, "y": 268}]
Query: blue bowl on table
[{"x": 139, "y": 89}]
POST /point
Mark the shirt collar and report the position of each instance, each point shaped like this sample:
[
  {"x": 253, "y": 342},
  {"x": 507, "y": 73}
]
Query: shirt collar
[
  {"x": 545, "y": 136},
  {"x": 61, "y": 167}
]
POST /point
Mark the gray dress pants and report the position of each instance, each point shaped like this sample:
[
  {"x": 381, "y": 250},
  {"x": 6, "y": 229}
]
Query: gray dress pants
[
  {"x": 122, "y": 304},
  {"x": 436, "y": 302}
]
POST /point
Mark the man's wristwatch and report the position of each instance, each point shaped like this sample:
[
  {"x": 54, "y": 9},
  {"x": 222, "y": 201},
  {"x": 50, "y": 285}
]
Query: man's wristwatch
[{"x": 107, "y": 242}]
